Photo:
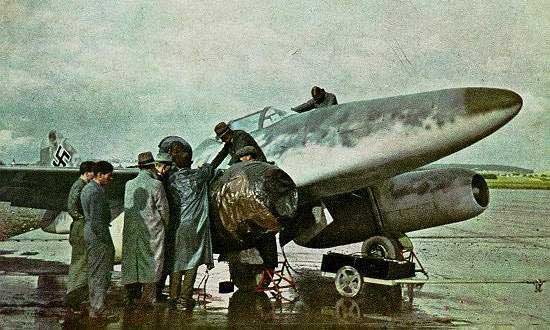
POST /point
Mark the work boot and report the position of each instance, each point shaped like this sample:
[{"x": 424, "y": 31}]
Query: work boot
[
  {"x": 162, "y": 298},
  {"x": 148, "y": 297},
  {"x": 103, "y": 317},
  {"x": 187, "y": 304}
]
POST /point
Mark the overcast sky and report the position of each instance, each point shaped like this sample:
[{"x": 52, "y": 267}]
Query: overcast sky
[{"x": 115, "y": 77}]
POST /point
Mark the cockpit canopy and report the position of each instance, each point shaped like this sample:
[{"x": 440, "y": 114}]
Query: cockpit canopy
[
  {"x": 250, "y": 123},
  {"x": 260, "y": 119}
]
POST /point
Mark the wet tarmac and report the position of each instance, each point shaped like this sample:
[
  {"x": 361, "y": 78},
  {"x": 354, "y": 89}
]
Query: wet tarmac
[{"x": 502, "y": 252}]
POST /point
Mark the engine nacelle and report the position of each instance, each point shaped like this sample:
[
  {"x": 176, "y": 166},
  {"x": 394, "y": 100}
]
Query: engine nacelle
[
  {"x": 430, "y": 198},
  {"x": 404, "y": 203}
]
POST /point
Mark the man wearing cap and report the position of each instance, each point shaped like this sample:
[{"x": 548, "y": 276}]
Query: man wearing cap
[
  {"x": 165, "y": 166},
  {"x": 233, "y": 141},
  {"x": 101, "y": 251},
  {"x": 77, "y": 282},
  {"x": 188, "y": 189},
  {"x": 146, "y": 214},
  {"x": 247, "y": 153},
  {"x": 320, "y": 99},
  {"x": 267, "y": 244}
]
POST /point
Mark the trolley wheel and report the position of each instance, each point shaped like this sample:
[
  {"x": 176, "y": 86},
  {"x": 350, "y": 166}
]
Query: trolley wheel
[
  {"x": 382, "y": 247},
  {"x": 348, "y": 281}
]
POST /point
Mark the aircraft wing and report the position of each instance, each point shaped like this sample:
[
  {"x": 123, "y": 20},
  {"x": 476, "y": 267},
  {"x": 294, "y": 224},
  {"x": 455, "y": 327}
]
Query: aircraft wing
[
  {"x": 346, "y": 147},
  {"x": 48, "y": 188}
]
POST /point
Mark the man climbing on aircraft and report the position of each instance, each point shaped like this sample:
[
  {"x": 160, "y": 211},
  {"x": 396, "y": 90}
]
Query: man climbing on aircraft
[
  {"x": 146, "y": 215},
  {"x": 101, "y": 251},
  {"x": 77, "y": 283},
  {"x": 233, "y": 141},
  {"x": 320, "y": 99}
]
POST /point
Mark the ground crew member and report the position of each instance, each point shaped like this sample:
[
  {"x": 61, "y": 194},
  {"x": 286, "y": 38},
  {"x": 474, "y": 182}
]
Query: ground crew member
[
  {"x": 146, "y": 214},
  {"x": 233, "y": 141},
  {"x": 77, "y": 283},
  {"x": 320, "y": 99},
  {"x": 173, "y": 148},
  {"x": 267, "y": 245},
  {"x": 101, "y": 251},
  {"x": 193, "y": 240},
  {"x": 163, "y": 164},
  {"x": 247, "y": 153}
]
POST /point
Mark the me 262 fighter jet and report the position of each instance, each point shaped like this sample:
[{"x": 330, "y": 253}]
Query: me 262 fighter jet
[{"x": 355, "y": 166}]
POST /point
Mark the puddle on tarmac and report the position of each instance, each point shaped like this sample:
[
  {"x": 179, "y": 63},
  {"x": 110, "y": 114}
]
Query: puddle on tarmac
[
  {"x": 32, "y": 266},
  {"x": 37, "y": 301}
]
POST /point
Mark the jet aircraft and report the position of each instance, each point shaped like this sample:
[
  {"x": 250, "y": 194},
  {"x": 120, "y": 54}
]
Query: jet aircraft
[{"x": 355, "y": 166}]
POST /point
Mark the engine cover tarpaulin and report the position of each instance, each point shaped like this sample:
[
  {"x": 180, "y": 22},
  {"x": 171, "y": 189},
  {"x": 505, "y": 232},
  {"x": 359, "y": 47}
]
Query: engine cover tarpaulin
[{"x": 253, "y": 198}]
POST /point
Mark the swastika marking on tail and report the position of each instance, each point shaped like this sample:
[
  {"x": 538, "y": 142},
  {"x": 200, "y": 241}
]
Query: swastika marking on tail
[{"x": 62, "y": 157}]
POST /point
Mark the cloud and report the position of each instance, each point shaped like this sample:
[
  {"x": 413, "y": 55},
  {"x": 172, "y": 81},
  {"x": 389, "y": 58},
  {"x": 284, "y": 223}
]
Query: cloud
[
  {"x": 10, "y": 144},
  {"x": 524, "y": 141},
  {"x": 117, "y": 77}
]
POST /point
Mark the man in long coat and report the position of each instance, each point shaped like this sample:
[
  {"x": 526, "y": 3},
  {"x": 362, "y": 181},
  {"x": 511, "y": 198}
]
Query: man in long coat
[
  {"x": 146, "y": 214},
  {"x": 193, "y": 240},
  {"x": 77, "y": 283},
  {"x": 101, "y": 251}
]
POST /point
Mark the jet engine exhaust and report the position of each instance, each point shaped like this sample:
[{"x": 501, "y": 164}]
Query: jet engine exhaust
[{"x": 480, "y": 190}]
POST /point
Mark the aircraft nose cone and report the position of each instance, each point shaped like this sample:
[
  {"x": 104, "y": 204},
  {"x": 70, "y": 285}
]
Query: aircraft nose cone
[{"x": 478, "y": 100}]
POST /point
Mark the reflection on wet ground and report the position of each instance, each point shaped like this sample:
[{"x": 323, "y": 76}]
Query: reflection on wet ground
[
  {"x": 37, "y": 301},
  {"x": 31, "y": 266}
]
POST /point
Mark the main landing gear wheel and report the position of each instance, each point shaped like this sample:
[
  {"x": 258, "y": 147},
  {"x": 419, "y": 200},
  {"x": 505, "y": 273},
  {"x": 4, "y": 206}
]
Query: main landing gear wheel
[
  {"x": 348, "y": 281},
  {"x": 382, "y": 247}
]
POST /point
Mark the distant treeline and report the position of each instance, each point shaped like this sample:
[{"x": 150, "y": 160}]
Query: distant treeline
[{"x": 488, "y": 167}]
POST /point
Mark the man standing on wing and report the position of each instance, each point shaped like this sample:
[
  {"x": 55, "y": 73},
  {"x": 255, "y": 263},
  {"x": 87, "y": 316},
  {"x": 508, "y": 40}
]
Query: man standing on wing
[{"x": 320, "y": 99}]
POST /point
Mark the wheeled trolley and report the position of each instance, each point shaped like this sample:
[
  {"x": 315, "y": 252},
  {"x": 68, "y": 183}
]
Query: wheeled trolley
[{"x": 351, "y": 272}]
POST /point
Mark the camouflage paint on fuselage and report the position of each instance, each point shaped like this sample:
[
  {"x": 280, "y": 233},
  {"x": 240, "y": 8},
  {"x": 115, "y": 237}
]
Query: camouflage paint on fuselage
[{"x": 349, "y": 146}]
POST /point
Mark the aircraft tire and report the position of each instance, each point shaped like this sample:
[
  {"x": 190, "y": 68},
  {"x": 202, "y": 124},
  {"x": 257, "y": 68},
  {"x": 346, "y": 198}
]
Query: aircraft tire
[{"x": 382, "y": 247}]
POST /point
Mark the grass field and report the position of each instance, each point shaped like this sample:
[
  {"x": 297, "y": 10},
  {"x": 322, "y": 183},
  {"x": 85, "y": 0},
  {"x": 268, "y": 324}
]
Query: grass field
[
  {"x": 17, "y": 220},
  {"x": 518, "y": 182}
]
